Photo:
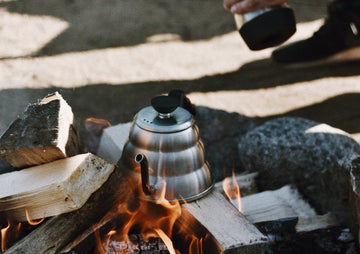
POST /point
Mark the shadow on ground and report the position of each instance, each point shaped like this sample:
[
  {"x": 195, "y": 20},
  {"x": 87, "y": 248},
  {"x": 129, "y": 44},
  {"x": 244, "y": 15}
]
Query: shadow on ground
[
  {"x": 101, "y": 24},
  {"x": 118, "y": 103}
]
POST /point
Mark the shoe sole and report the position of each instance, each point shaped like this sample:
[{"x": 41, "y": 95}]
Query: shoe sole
[{"x": 348, "y": 55}]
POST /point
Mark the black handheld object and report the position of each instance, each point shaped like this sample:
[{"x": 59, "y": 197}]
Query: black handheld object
[{"x": 269, "y": 29}]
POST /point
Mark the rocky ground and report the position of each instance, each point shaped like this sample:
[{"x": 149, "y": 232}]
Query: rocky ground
[{"x": 109, "y": 58}]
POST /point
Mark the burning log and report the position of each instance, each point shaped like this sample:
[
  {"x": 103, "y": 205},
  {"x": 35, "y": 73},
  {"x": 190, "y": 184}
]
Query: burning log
[
  {"x": 46, "y": 132},
  {"x": 234, "y": 234},
  {"x": 57, "y": 232},
  {"x": 245, "y": 181},
  {"x": 195, "y": 231},
  {"x": 51, "y": 189},
  {"x": 231, "y": 231}
]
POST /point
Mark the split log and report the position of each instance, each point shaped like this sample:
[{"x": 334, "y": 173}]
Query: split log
[
  {"x": 231, "y": 231},
  {"x": 308, "y": 224},
  {"x": 51, "y": 189},
  {"x": 284, "y": 203},
  {"x": 246, "y": 182},
  {"x": 46, "y": 132},
  {"x": 277, "y": 204},
  {"x": 57, "y": 232}
]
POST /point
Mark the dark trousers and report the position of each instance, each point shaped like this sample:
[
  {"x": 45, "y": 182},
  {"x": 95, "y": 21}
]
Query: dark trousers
[{"x": 346, "y": 8}]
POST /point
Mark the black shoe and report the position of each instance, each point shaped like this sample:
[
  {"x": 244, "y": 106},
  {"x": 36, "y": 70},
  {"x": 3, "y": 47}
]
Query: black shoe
[{"x": 338, "y": 40}]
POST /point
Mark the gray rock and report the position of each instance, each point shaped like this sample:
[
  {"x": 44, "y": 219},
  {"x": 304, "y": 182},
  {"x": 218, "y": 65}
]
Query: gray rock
[
  {"x": 305, "y": 153},
  {"x": 220, "y": 132}
]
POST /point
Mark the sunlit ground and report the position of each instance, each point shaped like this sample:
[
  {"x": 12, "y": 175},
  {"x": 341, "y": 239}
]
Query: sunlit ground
[{"x": 163, "y": 57}]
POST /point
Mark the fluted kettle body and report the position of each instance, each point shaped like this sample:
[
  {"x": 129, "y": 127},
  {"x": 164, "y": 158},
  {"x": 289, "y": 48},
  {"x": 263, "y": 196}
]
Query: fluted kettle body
[{"x": 164, "y": 147}]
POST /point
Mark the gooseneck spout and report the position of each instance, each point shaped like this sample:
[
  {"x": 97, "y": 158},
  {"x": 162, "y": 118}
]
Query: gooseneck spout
[{"x": 141, "y": 159}]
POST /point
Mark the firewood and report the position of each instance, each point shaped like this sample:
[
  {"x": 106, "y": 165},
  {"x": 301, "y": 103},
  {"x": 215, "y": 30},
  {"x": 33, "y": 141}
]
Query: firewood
[
  {"x": 202, "y": 222},
  {"x": 277, "y": 204},
  {"x": 213, "y": 216},
  {"x": 246, "y": 183},
  {"x": 231, "y": 231},
  {"x": 51, "y": 189},
  {"x": 46, "y": 132},
  {"x": 57, "y": 232},
  {"x": 312, "y": 223}
]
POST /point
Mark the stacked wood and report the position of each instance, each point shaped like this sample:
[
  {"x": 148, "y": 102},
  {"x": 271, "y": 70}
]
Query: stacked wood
[
  {"x": 50, "y": 189},
  {"x": 292, "y": 225},
  {"x": 57, "y": 232},
  {"x": 46, "y": 132}
]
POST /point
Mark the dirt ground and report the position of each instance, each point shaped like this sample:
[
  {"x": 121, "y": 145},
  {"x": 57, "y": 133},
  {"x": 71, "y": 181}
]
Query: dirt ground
[{"x": 109, "y": 58}]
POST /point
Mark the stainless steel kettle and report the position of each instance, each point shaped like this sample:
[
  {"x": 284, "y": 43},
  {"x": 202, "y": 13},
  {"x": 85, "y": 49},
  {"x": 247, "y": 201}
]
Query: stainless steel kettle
[{"x": 165, "y": 150}]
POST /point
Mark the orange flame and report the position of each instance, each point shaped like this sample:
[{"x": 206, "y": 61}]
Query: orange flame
[
  {"x": 196, "y": 245},
  {"x": 99, "y": 244},
  {"x": 232, "y": 191},
  {"x": 10, "y": 235},
  {"x": 3, "y": 237},
  {"x": 166, "y": 240},
  {"x": 155, "y": 218},
  {"x": 32, "y": 222},
  {"x": 111, "y": 233}
]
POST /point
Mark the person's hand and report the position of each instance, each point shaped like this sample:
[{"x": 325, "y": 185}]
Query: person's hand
[{"x": 243, "y": 6}]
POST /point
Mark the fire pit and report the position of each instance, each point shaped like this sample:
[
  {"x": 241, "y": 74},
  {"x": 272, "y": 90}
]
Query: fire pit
[{"x": 129, "y": 211}]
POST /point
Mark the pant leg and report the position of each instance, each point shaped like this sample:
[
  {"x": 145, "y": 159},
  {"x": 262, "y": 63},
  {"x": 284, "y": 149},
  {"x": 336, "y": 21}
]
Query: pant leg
[
  {"x": 348, "y": 4},
  {"x": 348, "y": 9}
]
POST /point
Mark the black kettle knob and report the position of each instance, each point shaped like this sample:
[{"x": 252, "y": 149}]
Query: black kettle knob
[
  {"x": 164, "y": 104},
  {"x": 184, "y": 101}
]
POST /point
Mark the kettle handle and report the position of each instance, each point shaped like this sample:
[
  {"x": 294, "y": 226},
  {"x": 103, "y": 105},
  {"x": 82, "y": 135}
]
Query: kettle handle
[{"x": 144, "y": 166}]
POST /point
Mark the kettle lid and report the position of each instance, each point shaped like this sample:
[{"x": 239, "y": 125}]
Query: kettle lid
[{"x": 164, "y": 116}]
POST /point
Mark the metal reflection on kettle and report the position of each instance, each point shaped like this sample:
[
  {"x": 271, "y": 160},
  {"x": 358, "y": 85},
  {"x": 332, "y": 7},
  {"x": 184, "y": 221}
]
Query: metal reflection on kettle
[{"x": 164, "y": 142}]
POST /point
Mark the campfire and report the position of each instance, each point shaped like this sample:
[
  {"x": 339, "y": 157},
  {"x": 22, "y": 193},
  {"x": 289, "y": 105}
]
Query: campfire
[{"x": 72, "y": 193}]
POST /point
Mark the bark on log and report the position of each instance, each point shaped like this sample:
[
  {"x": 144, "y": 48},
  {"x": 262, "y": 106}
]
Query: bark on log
[{"x": 46, "y": 132}]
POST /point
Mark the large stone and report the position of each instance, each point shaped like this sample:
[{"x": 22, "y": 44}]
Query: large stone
[
  {"x": 305, "y": 153},
  {"x": 220, "y": 138}
]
